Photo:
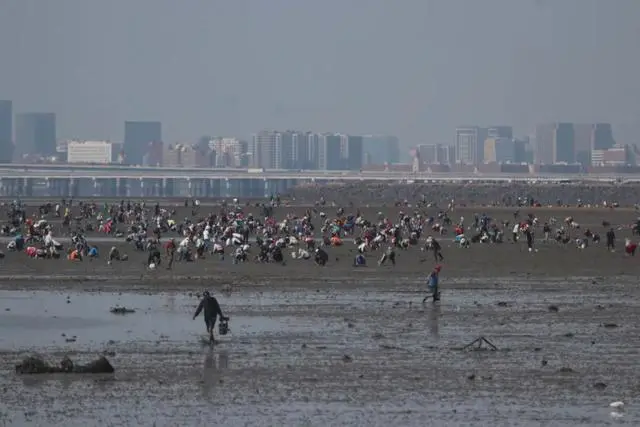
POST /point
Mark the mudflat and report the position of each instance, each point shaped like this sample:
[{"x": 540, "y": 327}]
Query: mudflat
[
  {"x": 478, "y": 261},
  {"x": 335, "y": 345}
]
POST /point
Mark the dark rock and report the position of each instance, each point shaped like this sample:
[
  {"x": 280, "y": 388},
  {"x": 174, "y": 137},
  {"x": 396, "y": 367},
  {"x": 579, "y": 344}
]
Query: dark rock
[
  {"x": 37, "y": 365},
  {"x": 599, "y": 386},
  {"x": 553, "y": 308}
]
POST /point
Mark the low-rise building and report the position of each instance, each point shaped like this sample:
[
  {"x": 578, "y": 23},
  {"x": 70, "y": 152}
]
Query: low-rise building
[{"x": 92, "y": 152}]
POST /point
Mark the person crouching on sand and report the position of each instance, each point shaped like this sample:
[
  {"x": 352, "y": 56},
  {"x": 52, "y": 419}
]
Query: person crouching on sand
[
  {"x": 433, "y": 281},
  {"x": 389, "y": 255},
  {"x": 630, "y": 247}
]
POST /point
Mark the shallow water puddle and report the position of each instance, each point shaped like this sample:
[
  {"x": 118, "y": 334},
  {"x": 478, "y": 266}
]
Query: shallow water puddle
[{"x": 32, "y": 320}]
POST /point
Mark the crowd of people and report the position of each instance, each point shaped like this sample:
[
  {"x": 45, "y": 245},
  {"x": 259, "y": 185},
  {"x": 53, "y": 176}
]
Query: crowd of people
[{"x": 257, "y": 233}]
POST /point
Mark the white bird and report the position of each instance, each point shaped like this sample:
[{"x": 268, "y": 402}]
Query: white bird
[{"x": 617, "y": 405}]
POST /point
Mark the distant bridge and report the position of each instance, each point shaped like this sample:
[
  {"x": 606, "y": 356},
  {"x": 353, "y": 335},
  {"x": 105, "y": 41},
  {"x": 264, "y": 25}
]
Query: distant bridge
[{"x": 47, "y": 171}]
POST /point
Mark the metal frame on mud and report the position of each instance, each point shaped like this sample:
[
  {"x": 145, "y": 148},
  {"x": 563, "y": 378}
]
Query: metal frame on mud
[{"x": 480, "y": 343}]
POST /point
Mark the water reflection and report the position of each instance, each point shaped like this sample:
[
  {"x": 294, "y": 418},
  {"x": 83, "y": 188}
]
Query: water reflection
[
  {"x": 215, "y": 361},
  {"x": 434, "y": 320}
]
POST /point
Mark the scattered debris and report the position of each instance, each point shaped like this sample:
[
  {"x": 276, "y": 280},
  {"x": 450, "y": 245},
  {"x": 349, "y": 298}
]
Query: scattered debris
[
  {"x": 480, "y": 343},
  {"x": 121, "y": 310}
]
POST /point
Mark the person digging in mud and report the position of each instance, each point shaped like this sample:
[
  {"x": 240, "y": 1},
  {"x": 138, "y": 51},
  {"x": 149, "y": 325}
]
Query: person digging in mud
[
  {"x": 154, "y": 257},
  {"x": 389, "y": 255},
  {"x": 433, "y": 280},
  {"x": 212, "y": 310},
  {"x": 321, "y": 257},
  {"x": 114, "y": 255}
]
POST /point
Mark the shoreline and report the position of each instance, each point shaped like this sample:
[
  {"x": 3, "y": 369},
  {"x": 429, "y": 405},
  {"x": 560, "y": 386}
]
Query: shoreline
[{"x": 369, "y": 280}]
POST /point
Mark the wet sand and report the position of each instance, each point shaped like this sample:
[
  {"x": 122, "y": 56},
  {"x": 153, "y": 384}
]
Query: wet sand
[
  {"x": 292, "y": 326},
  {"x": 373, "y": 356}
]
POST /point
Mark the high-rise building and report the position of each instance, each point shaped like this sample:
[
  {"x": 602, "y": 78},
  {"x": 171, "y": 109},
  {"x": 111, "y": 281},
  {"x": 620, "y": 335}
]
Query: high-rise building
[
  {"x": 470, "y": 144},
  {"x": 267, "y": 149},
  {"x": 544, "y": 143},
  {"x": 6, "y": 131},
  {"x": 351, "y": 152},
  {"x": 499, "y": 150},
  {"x": 602, "y": 136},
  {"x": 313, "y": 146},
  {"x": 448, "y": 155},
  {"x": 564, "y": 149},
  {"x": 500, "y": 132},
  {"x": 228, "y": 152},
  {"x": 582, "y": 135},
  {"x": 137, "y": 136},
  {"x": 300, "y": 151},
  {"x": 381, "y": 149},
  {"x": 555, "y": 143},
  {"x": 329, "y": 157},
  {"x": 520, "y": 151},
  {"x": 35, "y": 135},
  {"x": 288, "y": 159}
]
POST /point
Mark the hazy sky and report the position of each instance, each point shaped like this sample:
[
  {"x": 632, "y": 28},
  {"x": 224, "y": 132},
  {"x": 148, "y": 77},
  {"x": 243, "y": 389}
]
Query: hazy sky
[{"x": 414, "y": 68}]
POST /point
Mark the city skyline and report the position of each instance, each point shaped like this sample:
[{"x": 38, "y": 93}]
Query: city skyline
[
  {"x": 562, "y": 61},
  {"x": 557, "y": 143}
]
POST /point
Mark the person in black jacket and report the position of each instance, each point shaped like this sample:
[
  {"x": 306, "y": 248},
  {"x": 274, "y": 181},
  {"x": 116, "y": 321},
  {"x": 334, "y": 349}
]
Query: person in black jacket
[{"x": 212, "y": 310}]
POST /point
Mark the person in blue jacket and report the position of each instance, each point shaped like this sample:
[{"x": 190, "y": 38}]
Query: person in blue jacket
[{"x": 433, "y": 281}]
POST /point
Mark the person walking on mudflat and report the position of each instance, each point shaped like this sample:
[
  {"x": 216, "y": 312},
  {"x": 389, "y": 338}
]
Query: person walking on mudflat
[
  {"x": 211, "y": 312},
  {"x": 433, "y": 281}
]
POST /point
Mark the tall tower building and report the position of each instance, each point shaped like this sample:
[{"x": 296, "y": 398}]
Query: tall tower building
[
  {"x": 267, "y": 148},
  {"x": 6, "y": 131},
  {"x": 602, "y": 136},
  {"x": 564, "y": 147},
  {"x": 313, "y": 146},
  {"x": 470, "y": 144},
  {"x": 329, "y": 152},
  {"x": 35, "y": 135},
  {"x": 351, "y": 152},
  {"x": 137, "y": 138}
]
